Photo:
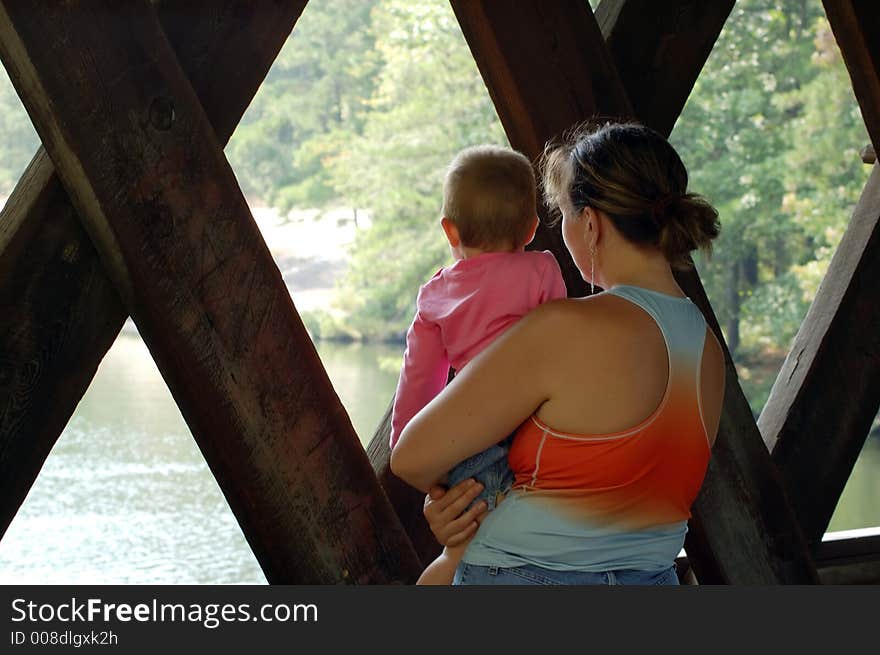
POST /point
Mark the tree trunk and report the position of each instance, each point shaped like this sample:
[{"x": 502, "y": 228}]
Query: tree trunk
[{"x": 750, "y": 268}]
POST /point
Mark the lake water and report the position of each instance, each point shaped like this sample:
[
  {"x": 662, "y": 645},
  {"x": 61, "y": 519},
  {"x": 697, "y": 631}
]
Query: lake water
[{"x": 125, "y": 497}]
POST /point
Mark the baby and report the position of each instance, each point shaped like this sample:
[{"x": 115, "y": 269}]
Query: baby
[{"x": 489, "y": 217}]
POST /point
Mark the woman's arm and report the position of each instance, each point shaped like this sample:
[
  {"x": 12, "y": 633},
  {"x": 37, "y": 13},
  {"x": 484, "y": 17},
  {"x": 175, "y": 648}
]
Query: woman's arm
[{"x": 494, "y": 393}]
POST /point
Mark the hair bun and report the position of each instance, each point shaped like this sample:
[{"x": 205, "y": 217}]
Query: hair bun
[
  {"x": 687, "y": 222},
  {"x": 662, "y": 205}
]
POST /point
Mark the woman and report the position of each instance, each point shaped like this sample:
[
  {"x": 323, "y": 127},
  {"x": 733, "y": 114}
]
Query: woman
[{"x": 615, "y": 398}]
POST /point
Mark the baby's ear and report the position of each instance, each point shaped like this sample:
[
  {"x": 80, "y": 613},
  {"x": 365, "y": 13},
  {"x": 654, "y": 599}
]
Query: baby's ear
[
  {"x": 451, "y": 231},
  {"x": 531, "y": 234}
]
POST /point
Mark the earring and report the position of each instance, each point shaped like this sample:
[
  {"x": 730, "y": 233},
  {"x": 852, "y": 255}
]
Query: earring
[{"x": 592, "y": 269}]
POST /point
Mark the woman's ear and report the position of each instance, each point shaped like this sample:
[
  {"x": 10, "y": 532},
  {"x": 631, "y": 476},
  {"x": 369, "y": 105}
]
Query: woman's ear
[
  {"x": 592, "y": 227},
  {"x": 451, "y": 232}
]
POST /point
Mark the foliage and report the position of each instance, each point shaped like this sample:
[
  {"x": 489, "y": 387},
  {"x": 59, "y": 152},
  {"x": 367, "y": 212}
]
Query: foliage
[
  {"x": 429, "y": 102},
  {"x": 771, "y": 135},
  {"x": 316, "y": 92}
]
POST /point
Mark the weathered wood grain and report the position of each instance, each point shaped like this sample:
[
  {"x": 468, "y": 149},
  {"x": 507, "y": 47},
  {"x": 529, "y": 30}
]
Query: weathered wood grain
[
  {"x": 851, "y": 560},
  {"x": 146, "y": 173},
  {"x": 659, "y": 48},
  {"x": 856, "y": 26},
  {"x": 827, "y": 393},
  {"x": 407, "y": 501},
  {"x": 59, "y": 312}
]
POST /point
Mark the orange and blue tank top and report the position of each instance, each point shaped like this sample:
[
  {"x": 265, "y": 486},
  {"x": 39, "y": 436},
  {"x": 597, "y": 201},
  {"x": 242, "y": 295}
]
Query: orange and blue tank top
[{"x": 597, "y": 502}]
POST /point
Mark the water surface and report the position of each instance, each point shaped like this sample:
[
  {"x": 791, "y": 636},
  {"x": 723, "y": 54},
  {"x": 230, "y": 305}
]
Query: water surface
[{"x": 126, "y": 497}]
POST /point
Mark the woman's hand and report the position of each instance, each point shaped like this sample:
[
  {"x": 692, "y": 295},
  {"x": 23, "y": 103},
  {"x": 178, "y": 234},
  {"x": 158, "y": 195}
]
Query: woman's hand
[{"x": 443, "y": 510}]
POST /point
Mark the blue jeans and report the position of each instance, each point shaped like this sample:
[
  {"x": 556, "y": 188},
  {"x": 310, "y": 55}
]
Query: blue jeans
[
  {"x": 472, "y": 574},
  {"x": 490, "y": 468}
]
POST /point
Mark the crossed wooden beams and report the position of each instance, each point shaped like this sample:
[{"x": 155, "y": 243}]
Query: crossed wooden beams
[
  {"x": 827, "y": 394},
  {"x": 143, "y": 172}
]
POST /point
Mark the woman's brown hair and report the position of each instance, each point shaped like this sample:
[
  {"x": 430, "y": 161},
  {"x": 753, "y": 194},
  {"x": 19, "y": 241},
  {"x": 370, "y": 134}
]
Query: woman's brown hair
[{"x": 633, "y": 175}]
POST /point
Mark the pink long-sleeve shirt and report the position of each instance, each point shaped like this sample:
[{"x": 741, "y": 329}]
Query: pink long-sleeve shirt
[{"x": 460, "y": 311}]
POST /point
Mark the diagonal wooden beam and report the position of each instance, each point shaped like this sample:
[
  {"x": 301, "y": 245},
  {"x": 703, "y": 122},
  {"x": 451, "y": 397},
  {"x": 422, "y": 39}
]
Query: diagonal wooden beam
[
  {"x": 742, "y": 496},
  {"x": 816, "y": 429},
  {"x": 59, "y": 312},
  {"x": 147, "y": 176},
  {"x": 856, "y": 26},
  {"x": 407, "y": 501},
  {"x": 659, "y": 49},
  {"x": 815, "y": 424}
]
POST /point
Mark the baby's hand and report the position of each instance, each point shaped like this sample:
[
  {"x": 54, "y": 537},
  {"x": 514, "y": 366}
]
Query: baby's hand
[{"x": 443, "y": 511}]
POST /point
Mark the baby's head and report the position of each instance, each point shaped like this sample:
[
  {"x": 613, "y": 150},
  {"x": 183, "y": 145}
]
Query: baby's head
[{"x": 489, "y": 201}]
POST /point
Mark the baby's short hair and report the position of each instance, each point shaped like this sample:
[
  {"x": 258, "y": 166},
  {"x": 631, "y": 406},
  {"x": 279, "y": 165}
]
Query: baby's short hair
[{"x": 489, "y": 194}]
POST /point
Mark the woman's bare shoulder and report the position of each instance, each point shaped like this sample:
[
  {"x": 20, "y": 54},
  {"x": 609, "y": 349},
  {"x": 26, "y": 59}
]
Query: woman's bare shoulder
[
  {"x": 595, "y": 314},
  {"x": 587, "y": 331},
  {"x": 563, "y": 310},
  {"x": 605, "y": 338}
]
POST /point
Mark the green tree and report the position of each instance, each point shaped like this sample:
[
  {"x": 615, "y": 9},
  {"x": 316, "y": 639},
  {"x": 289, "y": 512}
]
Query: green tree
[
  {"x": 429, "y": 102},
  {"x": 771, "y": 134},
  {"x": 316, "y": 92},
  {"x": 749, "y": 134}
]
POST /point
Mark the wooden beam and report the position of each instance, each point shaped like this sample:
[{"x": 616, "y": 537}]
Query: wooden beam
[
  {"x": 407, "y": 501},
  {"x": 659, "y": 49},
  {"x": 848, "y": 545},
  {"x": 856, "y": 26},
  {"x": 827, "y": 393},
  {"x": 59, "y": 312},
  {"x": 147, "y": 175},
  {"x": 547, "y": 62},
  {"x": 856, "y": 572},
  {"x": 847, "y": 560},
  {"x": 743, "y": 530},
  {"x": 850, "y": 559}
]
